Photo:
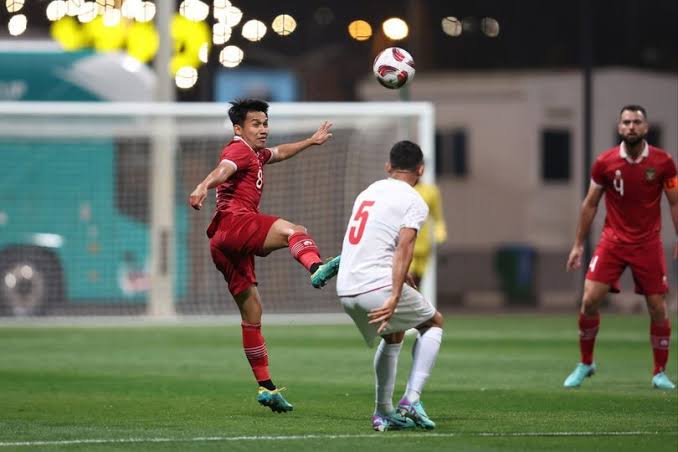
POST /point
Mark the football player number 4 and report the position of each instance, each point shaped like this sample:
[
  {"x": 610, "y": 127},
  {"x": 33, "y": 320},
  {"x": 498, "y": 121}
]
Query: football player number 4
[{"x": 355, "y": 232}]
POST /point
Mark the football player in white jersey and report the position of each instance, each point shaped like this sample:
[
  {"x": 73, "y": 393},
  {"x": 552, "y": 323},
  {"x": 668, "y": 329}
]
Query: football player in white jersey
[{"x": 379, "y": 295}]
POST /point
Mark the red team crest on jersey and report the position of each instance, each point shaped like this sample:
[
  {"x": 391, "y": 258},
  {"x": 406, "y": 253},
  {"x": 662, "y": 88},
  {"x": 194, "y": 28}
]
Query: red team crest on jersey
[{"x": 650, "y": 174}]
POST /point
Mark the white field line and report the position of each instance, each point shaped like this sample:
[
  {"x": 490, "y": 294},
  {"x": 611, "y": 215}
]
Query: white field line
[{"x": 326, "y": 437}]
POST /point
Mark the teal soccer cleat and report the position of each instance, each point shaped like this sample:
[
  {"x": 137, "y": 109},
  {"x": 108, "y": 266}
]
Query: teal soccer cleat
[
  {"x": 575, "y": 379},
  {"x": 274, "y": 400},
  {"x": 394, "y": 421},
  {"x": 325, "y": 272},
  {"x": 415, "y": 411},
  {"x": 661, "y": 381}
]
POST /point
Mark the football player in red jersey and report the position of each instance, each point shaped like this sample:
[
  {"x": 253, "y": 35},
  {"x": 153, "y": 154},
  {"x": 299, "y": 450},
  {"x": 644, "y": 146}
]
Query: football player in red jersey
[
  {"x": 632, "y": 176},
  {"x": 238, "y": 230}
]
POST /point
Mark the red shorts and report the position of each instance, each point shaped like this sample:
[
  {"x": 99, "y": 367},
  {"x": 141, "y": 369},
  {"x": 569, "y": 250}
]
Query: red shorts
[
  {"x": 646, "y": 261},
  {"x": 234, "y": 241}
]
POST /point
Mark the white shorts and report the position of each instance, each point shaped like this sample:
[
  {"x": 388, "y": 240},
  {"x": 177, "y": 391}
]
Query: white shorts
[{"x": 412, "y": 310}]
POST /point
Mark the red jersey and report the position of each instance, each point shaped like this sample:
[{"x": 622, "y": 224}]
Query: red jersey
[
  {"x": 241, "y": 193},
  {"x": 633, "y": 191}
]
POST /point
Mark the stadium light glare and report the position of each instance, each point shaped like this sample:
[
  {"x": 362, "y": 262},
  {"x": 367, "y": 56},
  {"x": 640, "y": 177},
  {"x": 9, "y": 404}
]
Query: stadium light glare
[
  {"x": 73, "y": 7},
  {"x": 106, "y": 5},
  {"x": 17, "y": 24},
  {"x": 231, "y": 56},
  {"x": 284, "y": 24},
  {"x": 145, "y": 13},
  {"x": 186, "y": 77},
  {"x": 360, "y": 30},
  {"x": 56, "y": 10},
  {"x": 254, "y": 30},
  {"x": 221, "y": 33},
  {"x": 395, "y": 28},
  {"x": 451, "y": 26},
  {"x": 231, "y": 16},
  {"x": 112, "y": 17},
  {"x": 194, "y": 10},
  {"x": 14, "y": 6},
  {"x": 221, "y": 4},
  {"x": 203, "y": 52},
  {"x": 130, "y": 7},
  {"x": 490, "y": 27},
  {"x": 88, "y": 12}
]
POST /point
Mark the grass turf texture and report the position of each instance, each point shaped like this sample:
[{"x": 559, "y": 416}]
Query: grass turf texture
[{"x": 496, "y": 375}]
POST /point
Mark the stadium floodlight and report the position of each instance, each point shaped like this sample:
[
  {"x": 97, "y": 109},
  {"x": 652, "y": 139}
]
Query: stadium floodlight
[
  {"x": 360, "y": 30},
  {"x": 88, "y": 12},
  {"x": 490, "y": 27},
  {"x": 14, "y": 6},
  {"x": 112, "y": 17},
  {"x": 145, "y": 12},
  {"x": 106, "y": 5},
  {"x": 231, "y": 16},
  {"x": 56, "y": 10},
  {"x": 284, "y": 24},
  {"x": 17, "y": 24},
  {"x": 186, "y": 77},
  {"x": 395, "y": 28},
  {"x": 221, "y": 4},
  {"x": 73, "y": 7},
  {"x": 203, "y": 52},
  {"x": 221, "y": 33},
  {"x": 130, "y": 7},
  {"x": 451, "y": 26},
  {"x": 254, "y": 30},
  {"x": 231, "y": 56},
  {"x": 194, "y": 10}
]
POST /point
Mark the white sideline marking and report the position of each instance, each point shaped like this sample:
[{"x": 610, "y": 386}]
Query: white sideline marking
[{"x": 305, "y": 437}]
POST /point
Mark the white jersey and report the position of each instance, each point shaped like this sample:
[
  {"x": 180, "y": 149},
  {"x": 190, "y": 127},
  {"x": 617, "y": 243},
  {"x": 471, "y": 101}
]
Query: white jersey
[{"x": 379, "y": 212}]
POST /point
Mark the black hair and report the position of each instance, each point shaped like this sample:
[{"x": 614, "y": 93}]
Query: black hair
[
  {"x": 633, "y": 107},
  {"x": 240, "y": 107},
  {"x": 406, "y": 155}
]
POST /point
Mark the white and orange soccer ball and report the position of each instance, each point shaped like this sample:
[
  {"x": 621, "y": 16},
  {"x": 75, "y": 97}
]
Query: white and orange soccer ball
[{"x": 394, "y": 68}]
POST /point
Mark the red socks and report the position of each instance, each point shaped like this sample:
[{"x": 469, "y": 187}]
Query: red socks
[
  {"x": 660, "y": 336},
  {"x": 588, "y": 329},
  {"x": 303, "y": 249},
  {"x": 255, "y": 350}
]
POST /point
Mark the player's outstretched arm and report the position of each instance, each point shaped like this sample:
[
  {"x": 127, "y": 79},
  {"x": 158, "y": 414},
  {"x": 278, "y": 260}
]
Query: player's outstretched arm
[
  {"x": 402, "y": 258},
  {"x": 289, "y": 150},
  {"x": 586, "y": 215},
  {"x": 218, "y": 176}
]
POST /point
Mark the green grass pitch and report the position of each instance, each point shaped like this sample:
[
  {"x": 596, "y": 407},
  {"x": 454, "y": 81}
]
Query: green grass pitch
[{"x": 497, "y": 385}]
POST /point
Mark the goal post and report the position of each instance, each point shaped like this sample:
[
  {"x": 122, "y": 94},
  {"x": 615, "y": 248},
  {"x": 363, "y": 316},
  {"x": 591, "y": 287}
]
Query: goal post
[{"x": 94, "y": 212}]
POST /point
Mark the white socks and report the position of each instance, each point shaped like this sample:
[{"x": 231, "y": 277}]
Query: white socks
[
  {"x": 385, "y": 367},
  {"x": 424, "y": 355}
]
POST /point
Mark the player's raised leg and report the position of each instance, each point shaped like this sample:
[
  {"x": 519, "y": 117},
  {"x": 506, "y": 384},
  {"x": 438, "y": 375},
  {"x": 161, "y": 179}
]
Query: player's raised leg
[
  {"x": 249, "y": 304},
  {"x": 589, "y": 322},
  {"x": 303, "y": 248},
  {"x": 660, "y": 338},
  {"x": 424, "y": 353}
]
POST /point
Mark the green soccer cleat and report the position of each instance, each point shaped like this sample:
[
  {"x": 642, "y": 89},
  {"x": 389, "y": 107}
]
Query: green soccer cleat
[
  {"x": 415, "y": 411},
  {"x": 325, "y": 272},
  {"x": 575, "y": 379},
  {"x": 274, "y": 400},
  {"x": 394, "y": 421},
  {"x": 661, "y": 381}
]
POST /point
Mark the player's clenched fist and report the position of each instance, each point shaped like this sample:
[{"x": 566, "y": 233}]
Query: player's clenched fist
[
  {"x": 574, "y": 260},
  {"x": 198, "y": 197}
]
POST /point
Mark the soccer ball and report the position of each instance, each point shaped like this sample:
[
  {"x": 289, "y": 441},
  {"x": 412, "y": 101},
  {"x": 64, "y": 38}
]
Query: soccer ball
[{"x": 394, "y": 68}]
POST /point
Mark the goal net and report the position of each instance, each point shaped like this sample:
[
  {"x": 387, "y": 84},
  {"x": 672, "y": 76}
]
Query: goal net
[{"x": 94, "y": 217}]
